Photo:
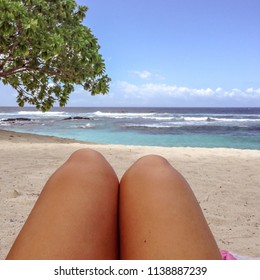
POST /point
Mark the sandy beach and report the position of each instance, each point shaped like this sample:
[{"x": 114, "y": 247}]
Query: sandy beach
[{"x": 226, "y": 183}]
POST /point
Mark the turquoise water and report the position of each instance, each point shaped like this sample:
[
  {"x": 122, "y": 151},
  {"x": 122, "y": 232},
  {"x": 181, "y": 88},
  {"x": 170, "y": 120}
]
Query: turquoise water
[
  {"x": 168, "y": 127},
  {"x": 132, "y": 138}
]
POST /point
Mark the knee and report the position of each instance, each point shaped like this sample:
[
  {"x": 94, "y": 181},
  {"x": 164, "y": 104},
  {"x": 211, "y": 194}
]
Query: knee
[
  {"x": 84, "y": 171},
  {"x": 151, "y": 173},
  {"x": 150, "y": 163},
  {"x": 147, "y": 167},
  {"x": 88, "y": 160},
  {"x": 85, "y": 155}
]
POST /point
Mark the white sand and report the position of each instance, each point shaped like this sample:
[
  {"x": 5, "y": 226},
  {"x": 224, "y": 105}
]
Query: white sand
[{"x": 225, "y": 181}]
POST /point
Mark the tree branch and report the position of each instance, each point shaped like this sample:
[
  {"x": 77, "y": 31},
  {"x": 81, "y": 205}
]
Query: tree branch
[{"x": 12, "y": 71}]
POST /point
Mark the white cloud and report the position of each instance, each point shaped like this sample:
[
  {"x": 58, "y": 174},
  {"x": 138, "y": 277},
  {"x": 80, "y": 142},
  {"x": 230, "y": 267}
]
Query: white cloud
[
  {"x": 163, "y": 90},
  {"x": 127, "y": 87},
  {"x": 147, "y": 75},
  {"x": 124, "y": 93},
  {"x": 219, "y": 90},
  {"x": 252, "y": 91},
  {"x": 144, "y": 75}
]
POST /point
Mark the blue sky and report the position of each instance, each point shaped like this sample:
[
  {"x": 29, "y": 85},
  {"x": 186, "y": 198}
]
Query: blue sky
[{"x": 174, "y": 53}]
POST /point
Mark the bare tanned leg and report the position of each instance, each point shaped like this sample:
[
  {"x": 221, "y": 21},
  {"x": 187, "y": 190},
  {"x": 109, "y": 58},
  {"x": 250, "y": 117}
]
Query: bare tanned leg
[
  {"x": 160, "y": 217},
  {"x": 76, "y": 214}
]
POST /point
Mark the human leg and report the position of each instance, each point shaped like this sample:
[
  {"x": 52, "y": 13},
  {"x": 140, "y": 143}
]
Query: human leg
[
  {"x": 160, "y": 217},
  {"x": 75, "y": 216}
]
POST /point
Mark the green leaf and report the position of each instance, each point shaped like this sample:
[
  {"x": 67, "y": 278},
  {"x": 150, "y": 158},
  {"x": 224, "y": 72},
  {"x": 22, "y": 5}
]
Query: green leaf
[{"x": 45, "y": 42}]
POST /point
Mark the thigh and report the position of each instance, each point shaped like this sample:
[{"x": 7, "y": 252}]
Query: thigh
[
  {"x": 75, "y": 216},
  {"x": 160, "y": 217}
]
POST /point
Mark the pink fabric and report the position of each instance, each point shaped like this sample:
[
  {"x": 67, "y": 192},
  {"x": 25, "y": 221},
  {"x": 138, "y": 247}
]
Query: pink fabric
[{"x": 226, "y": 255}]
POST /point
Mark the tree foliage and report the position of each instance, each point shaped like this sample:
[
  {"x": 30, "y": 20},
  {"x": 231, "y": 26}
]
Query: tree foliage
[{"x": 45, "y": 50}]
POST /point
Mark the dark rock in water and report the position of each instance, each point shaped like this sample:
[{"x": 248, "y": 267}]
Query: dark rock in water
[
  {"x": 76, "y": 118},
  {"x": 17, "y": 120}
]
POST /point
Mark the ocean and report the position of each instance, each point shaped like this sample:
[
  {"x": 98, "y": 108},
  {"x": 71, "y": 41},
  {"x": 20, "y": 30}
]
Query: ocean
[{"x": 165, "y": 127}]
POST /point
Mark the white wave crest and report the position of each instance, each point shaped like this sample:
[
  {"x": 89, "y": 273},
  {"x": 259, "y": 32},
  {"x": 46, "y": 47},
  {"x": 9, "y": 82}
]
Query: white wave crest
[
  {"x": 122, "y": 115},
  {"x": 42, "y": 114}
]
